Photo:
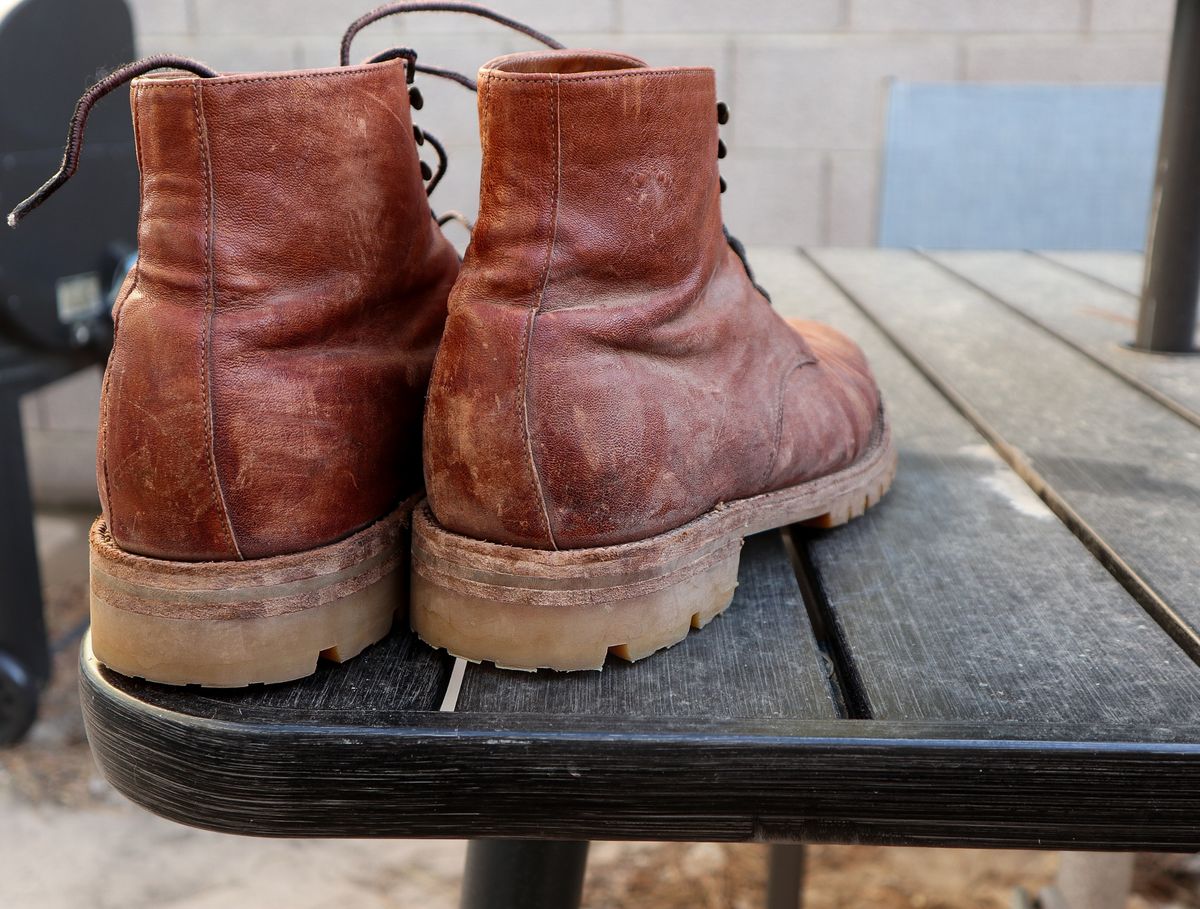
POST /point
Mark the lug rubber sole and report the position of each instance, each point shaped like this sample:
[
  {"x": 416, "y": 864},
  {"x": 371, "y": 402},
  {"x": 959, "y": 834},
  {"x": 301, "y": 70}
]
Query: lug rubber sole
[
  {"x": 232, "y": 624},
  {"x": 568, "y": 609}
]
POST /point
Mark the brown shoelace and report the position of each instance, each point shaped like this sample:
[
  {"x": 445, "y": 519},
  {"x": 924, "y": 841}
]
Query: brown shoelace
[
  {"x": 70, "y": 159},
  {"x": 433, "y": 6},
  {"x": 130, "y": 71},
  {"x": 419, "y": 6}
]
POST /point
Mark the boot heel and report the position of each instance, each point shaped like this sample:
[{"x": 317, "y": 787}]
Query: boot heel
[
  {"x": 537, "y": 609},
  {"x": 229, "y": 624}
]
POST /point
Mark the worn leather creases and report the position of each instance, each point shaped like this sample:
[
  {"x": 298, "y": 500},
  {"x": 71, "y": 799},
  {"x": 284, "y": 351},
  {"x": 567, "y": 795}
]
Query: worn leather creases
[
  {"x": 656, "y": 380},
  {"x": 266, "y": 388}
]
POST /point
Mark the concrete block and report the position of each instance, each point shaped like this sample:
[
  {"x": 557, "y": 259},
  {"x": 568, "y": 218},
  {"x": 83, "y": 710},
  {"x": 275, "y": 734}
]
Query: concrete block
[
  {"x": 550, "y": 18},
  {"x": 1095, "y": 59},
  {"x": 713, "y": 51},
  {"x": 464, "y": 53},
  {"x": 966, "y": 15},
  {"x": 854, "y": 178},
  {"x": 62, "y": 468},
  {"x": 1133, "y": 15},
  {"x": 161, "y": 17},
  {"x": 774, "y": 197},
  {"x": 322, "y": 50},
  {"x": 724, "y": 17},
  {"x": 452, "y": 115},
  {"x": 71, "y": 403},
  {"x": 31, "y": 412},
  {"x": 459, "y": 189},
  {"x": 826, "y": 92},
  {"x": 229, "y": 53},
  {"x": 279, "y": 18}
]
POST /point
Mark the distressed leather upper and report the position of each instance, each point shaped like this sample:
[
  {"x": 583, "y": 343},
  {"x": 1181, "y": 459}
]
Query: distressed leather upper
[
  {"x": 608, "y": 370},
  {"x": 273, "y": 344}
]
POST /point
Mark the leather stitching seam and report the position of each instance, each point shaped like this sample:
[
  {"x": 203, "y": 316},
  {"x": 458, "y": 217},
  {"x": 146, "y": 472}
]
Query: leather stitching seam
[
  {"x": 524, "y": 382},
  {"x": 783, "y": 384},
  {"x": 559, "y": 78},
  {"x": 209, "y": 308},
  {"x": 137, "y": 273},
  {"x": 485, "y": 118},
  {"x": 214, "y": 82}
]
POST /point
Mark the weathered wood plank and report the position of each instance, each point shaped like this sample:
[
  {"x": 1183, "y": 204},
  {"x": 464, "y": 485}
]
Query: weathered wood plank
[
  {"x": 758, "y": 660},
  {"x": 1123, "y": 470},
  {"x": 1096, "y": 318},
  {"x": 399, "y": 674},
  {"x": 1122, "y": 270},
  {"x": 962, "y": 596}
]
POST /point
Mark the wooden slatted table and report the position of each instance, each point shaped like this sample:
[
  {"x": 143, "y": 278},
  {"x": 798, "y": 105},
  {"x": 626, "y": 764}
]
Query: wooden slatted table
[{"x": 974, "y": 663}]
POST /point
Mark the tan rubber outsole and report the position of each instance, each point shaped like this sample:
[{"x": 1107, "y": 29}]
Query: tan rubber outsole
[
  {"x": 231, "y": 624},
  {"x": 568, "y": 609}
]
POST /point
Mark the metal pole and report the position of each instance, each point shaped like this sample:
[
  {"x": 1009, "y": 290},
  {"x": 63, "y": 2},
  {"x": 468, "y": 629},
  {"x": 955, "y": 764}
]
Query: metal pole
[
  {"x": 524, "y": 874},
  {"x": 785, "y": 877},
  {"x": 1167, "y": 318}
]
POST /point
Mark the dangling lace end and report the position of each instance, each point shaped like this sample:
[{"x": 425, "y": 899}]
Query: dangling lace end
[
  {"x": 70, "y": 159},
  {"x": 456, "y": 216}
]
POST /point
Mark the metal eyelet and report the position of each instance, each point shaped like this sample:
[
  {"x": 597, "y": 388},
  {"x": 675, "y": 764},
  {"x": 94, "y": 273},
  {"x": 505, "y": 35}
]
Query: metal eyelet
[
  {"x": 415, "y": 101},
  {"x": 418, "y": 135},
  {"x": 722, "y": 113}
]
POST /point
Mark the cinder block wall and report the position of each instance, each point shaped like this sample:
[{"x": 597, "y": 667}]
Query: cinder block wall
[{"x": 806, "y": 80}]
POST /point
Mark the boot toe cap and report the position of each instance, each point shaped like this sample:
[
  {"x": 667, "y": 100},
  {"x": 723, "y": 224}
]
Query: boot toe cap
[
  {"x": 834, "y": 404},
  {"x": 843, "y": 359}
]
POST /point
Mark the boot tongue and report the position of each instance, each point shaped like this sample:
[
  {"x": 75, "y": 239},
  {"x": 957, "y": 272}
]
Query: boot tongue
[{"x": 563, "y": 62}]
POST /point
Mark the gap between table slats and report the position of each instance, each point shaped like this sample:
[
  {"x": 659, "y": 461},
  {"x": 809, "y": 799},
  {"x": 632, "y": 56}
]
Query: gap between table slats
[
  {"x": 1004, "y": 375},
  {"x": 1089, "y": 314},
  {"x": 960, "y": 597}
]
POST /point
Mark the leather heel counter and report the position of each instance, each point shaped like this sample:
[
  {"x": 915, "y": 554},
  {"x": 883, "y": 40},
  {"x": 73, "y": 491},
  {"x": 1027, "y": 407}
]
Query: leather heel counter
[
  {"x": 152, "y": 459},
  {"x": 479, "y": 475},
  {"x": 102, "y": 454},
  {"x": 153, "y": 455}
]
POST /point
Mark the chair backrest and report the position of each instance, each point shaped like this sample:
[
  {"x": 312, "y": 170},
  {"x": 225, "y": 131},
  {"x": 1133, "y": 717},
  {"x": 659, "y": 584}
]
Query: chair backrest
[{"x": 1019, "y": 166}]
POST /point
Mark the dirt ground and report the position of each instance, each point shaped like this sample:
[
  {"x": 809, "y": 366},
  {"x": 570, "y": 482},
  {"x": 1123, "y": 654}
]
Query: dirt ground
[{"x": 68, "y": 840}]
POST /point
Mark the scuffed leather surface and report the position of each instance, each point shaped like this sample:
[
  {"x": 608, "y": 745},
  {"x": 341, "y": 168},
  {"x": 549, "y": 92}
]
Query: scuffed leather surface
[
  {"x": 608, "y": 371},
  {"x": 265, "y": 391}
]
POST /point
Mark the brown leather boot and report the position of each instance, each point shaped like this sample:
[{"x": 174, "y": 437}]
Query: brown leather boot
[
  {"x": 259, "y": 451},
  {"x": 615, "y": 404}
]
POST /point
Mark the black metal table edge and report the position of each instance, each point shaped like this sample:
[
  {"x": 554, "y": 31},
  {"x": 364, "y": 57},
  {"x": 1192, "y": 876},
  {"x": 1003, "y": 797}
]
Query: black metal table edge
[{"x": 466, "y": 776}]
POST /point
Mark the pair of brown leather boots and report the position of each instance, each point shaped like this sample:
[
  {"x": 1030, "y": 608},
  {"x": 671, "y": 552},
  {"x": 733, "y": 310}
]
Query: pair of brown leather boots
[{"x": 576, "y": 425}]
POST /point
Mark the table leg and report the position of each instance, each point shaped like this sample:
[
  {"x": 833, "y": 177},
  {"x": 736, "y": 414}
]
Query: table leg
[
  {"x": 524, "y": 874},
  {"x": 785, "y": 879},
  {"x": 24, "y": 655},
  {"x": 1167, "y": 318}
]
